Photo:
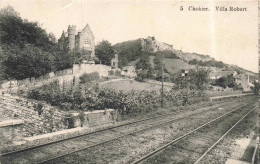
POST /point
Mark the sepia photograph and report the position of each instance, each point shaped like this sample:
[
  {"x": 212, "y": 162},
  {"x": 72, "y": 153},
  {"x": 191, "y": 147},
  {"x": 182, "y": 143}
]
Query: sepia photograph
[{"x": 129, "y": 81}]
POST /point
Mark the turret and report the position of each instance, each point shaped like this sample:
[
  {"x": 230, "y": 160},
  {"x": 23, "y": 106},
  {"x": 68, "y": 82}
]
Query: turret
[
  {"x": 71, "y": 35},
  {"x": 62, "y": 36}
]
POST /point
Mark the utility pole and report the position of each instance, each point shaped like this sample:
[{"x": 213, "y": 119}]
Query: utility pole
[{"x": 162, "y": 80}]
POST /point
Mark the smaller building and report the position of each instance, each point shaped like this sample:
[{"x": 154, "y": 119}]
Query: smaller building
[
  {"x": 219, "y": 74},
  {"x": 243, "y": 80},
  {"x": 217, "y": 88},
  {"x": 114, "y": 62},
  {"x": 129, "y": 71}
]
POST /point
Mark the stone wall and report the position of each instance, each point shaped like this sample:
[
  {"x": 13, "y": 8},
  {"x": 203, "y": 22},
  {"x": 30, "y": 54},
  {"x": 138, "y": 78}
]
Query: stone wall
[
  {"x": 38, "y": 118},
  {"x": 64, "y": 77},
  {"x": 95, "y": 118},
  {"x": 10, "y": 131},
  {"x": 41, "y": 118}
]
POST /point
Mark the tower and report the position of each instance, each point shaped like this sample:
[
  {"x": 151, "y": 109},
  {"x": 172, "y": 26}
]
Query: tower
[{"x": 71, "y": 36}]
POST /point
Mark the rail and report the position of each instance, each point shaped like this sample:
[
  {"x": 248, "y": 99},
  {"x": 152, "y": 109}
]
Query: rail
[
  {"x": 97, "y": 131},
  {"x": 157, "y": 151}
]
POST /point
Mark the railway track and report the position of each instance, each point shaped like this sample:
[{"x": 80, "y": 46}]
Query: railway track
[
  {"x": 193, "y": 146},
  {"x": 138, "y": 120},
  {"x": 88, "y": 140}
]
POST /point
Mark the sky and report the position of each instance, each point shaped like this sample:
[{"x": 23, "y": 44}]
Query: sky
[{"x": 228, "y": 36}]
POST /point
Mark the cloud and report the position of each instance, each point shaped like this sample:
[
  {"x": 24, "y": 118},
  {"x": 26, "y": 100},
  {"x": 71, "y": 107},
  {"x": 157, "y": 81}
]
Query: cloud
[{"x": 67, "y": 5}]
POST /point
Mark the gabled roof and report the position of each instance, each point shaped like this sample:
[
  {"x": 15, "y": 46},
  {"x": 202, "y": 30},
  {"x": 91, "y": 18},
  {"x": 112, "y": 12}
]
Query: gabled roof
[
  {"x": 239, "y": 76},
  {"x": 221, "y": 73},
  {"x": 88, "y": 29},
  {"x": 128, "y": 67}
]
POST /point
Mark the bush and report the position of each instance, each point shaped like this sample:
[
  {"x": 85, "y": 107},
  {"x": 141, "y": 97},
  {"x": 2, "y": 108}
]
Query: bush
[
  {"x": 126, "y": 102},
  {"x": 88, "y": 77}
]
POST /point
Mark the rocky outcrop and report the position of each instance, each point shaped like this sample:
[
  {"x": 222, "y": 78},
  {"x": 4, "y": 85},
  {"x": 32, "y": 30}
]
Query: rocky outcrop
[{"x": 151, "y": 44}]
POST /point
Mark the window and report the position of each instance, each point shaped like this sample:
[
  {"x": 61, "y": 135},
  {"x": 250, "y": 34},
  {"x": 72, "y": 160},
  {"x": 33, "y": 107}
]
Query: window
[{"x": 86, "y": 44}]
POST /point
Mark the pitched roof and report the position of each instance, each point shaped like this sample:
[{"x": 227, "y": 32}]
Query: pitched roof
[
  {"x": 221, "y": 73},
  {"x": 128, "y": 67},
  {"x": 238, "y": 76}
]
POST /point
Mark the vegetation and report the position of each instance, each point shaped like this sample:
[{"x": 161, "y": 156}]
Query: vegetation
[
  {"x": 212, "y": 63},
  {"x": 129, "y": 84},
  {"x": 126, "y": 102},
  {"x": 227, "y": 81},
  {"x": 26, "y": 49},
  {"x": 105, "y": 52},
  {"x": 29, "y": 61},
  {"x": 167, "y": 54},
  {"x": 63, "y": 59},
  {"x": 128, "y": 51},
  {"x": 195, "y": 80},
  {"x": 79, "y": 56},
  {"x": 256, "y": 87},
  {"x": 143, "y": 67},
  {"x": 88, "y": 77}
]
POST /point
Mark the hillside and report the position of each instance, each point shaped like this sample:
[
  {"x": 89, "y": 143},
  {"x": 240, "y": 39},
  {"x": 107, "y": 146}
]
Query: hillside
[
  {"x": 173, "y": 65},
  {"x": 130, "y": 51}
]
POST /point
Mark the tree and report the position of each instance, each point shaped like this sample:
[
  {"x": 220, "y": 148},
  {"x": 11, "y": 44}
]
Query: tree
[
  {"x": 52, "y": 38},
  {"x": 158, "y": 66},
  {"x": 167, "y": 54},
  {"x": 128, "y": 51},
  {"x": 105, "y": 52},
  {"x": 15, "y": 30},
  {"x": 197, "y": 79},
  {"x": 81, "y": 55},
  {"x": 9, "y": 11},
  {"x": 256, "y": 87},
  {"x": 227, "y": 81},
  {"x": 30, "y": 61},
  {"x": 63, "y": 60},
  {"x": 143, "y": 67},
  {"x": 26, "y": 49}
]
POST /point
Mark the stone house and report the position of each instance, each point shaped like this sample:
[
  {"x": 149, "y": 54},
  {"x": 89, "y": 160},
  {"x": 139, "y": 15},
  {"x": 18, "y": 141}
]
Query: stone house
[
  {"x": 129, "y": 71},
  {"x": 114, "y": 62},
  {"x": 242, "y": 80},
  {"x": 83, "y": 40},
  {"x": 219, "y": 74}
]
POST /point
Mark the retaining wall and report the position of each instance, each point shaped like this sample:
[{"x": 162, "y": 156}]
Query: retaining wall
[
  {"x": 11, "y": 130},
  {"x": 64, "y": 77},
  {"x": 37, "y": 119},
  {"x": 221, "y": 93},
  {"x": 45, "y": 119}
]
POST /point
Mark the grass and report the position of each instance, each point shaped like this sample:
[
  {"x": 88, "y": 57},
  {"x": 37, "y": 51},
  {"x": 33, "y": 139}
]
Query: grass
[
  {"x": 173, "y": 65},
  {"x": 128, "y": 85}
]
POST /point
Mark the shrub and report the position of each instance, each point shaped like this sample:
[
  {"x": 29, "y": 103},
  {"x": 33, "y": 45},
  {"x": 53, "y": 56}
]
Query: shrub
[
  {"x": 38, "y": 108},
  {"x": 88, "y": 77},
  {"x": 125, "y": 102}
]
